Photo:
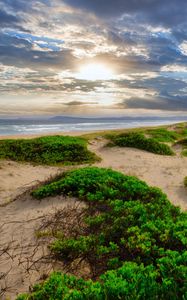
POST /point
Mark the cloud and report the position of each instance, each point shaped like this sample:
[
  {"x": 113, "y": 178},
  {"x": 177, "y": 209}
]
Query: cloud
[
  {"x": 20, "y": 52},
  {"x": 168, "y": 12},
  {"x": 183, "y": 47},
  {"x": 111, "y": 8},
  {"x": 44, "y": 44},
  {"x": 78, "y": 103},
  {"x": 161, "y": 103},
  {"x": 10, "y": 20},
  {"x": 174, "y": 68},
  {"x": 7, "y": 19},
  {"x": 162, "y": 98}
]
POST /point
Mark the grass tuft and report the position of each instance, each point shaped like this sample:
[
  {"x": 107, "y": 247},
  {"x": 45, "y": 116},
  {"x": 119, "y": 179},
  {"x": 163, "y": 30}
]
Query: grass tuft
[{"x": 163, "y": 135}]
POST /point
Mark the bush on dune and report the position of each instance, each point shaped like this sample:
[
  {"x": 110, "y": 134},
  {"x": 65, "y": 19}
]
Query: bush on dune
[
  {"x": 163, "y": 135},
  {"x": 131, "y": 281},
  {"x": 139, "y": 141},
  {"x": 135, "y": 240},
  {"x": 47, "y": 150}
]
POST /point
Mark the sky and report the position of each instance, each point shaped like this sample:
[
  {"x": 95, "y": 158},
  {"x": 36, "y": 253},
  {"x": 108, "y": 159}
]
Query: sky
[{"x": 93, "y": 57}]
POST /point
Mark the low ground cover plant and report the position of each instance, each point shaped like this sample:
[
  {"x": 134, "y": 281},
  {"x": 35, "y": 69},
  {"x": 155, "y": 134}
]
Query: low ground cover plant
[
  {"x": 134, "y": 240},
  {"x": 48, "y": 150},
  {"x": 140, "y": 141},
  {"x": 163, "y": 135}
]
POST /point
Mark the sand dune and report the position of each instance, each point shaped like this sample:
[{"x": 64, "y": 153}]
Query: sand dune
[
  {"x": 165, "y": 172},
  {"x": 18, "y": 219}
]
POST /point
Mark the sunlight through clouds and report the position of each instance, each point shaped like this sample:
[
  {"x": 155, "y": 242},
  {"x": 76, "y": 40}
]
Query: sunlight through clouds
[{"x": 69, "y": 51}]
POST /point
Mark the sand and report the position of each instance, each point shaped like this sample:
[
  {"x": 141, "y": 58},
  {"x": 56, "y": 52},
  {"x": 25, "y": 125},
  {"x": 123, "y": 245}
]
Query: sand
[
  {"x": 31, "y": 136},
  {"x": 18, "y": 177},
  {"x": 19, "y": 247},
  {"x": 165, "y": 172},
  {"x": 20, "y": 217}
]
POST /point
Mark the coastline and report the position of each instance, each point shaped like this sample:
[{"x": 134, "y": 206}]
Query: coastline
[
  {"x": 75, "y": 129},
  {"x": 31, "y": 136},
  {"x": 86, "y": 132}
]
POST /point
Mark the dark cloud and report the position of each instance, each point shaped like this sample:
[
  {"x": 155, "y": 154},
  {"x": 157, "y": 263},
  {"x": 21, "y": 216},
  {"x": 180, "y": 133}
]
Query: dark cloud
[
  {"x": 172, "y": 85},
  {"x": 167, "y": 12},
  {"x": 111, "y": 7},
  {"x": 23, "y": 6},
  {"x": 160, "y": 103},
  {"x": 6, "y": 19},
  {"x": 15, "y": 14},
  {"x": 19, "y": 52}
]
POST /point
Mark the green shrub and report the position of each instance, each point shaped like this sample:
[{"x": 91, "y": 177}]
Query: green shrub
[
  {"x": 183, "y": 142},
  {"x": 135, "y": 240},
  {"x": 139, "y": 141},
  {"x": 96, "y": 184},
  {"x": 131, "y": 281},
  {"x": 48, "y": 150},
  {"x": 163, "y": 135}
]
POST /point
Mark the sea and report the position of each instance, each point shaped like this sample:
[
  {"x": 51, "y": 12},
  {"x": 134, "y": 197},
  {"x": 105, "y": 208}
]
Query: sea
[{"x": 60, "y": 124}]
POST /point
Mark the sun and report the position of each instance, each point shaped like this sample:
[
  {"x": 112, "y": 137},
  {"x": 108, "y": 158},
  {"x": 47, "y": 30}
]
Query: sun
[{"x": 93, "y": 72}]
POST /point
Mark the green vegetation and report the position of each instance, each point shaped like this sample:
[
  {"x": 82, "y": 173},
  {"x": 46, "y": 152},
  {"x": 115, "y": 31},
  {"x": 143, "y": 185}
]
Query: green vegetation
[
  {"x": 48, "y": 150},
  {"x": 133, "y": 239},
  {"x": 185, "y": 181},
  {"x": 131, "y": 281},
  {"x": 94, "y": 184},
  {"x": 183, "y": 143},
  {"x": 184, "y": 152},
  {"x": 181, "y": 129},
  {"x": 139, "y": 141},
  {"x": 163, "y": 135},
  {"x": 151, "y": 137}
]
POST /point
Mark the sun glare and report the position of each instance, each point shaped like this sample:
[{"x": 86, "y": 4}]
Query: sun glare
[{"x": 95, "y": 72}]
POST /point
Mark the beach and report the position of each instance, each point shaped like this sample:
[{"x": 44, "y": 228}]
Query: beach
[
  {"x": 20, "y": 214},
  {"x": 93, "y": 150},
  {"x": 164, "y": 172}
]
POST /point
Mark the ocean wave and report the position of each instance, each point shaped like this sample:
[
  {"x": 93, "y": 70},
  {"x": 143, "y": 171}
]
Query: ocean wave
[{"x": 14, "y": 129}]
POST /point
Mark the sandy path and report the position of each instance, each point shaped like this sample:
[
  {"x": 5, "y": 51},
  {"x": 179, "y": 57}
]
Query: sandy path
[{"x": 165, "y": 172}]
